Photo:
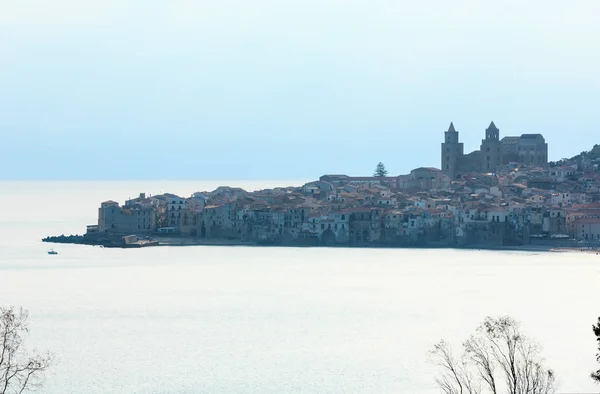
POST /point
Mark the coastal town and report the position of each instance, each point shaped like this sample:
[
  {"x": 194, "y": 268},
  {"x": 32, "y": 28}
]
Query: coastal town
[{"x": 506, "y": 194}]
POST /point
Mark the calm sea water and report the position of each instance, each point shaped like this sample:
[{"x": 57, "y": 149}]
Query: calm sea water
[{"x": 269, "y": 320}]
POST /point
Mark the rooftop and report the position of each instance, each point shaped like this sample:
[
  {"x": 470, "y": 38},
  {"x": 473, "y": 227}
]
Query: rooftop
[{"x": 532, "y": 136}]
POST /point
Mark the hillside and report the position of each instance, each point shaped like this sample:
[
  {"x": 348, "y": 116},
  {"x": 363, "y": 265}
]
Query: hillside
[{"x": 592, "y": 155}]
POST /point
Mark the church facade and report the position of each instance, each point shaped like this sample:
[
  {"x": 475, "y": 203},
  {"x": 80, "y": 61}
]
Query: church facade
[{"x": 529, "y": 149}]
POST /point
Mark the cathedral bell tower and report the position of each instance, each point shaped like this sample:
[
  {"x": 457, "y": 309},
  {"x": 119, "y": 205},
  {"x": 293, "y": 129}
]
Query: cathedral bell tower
[
  {"x": 491, "y": 149},
  {"x": 452, "y": 152}
]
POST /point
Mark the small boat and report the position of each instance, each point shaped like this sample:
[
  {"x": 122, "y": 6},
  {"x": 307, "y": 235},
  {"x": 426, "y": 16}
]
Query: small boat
[{"x": 52, "y": 251}]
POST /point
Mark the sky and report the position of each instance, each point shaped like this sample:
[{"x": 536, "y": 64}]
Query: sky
[{"x": 285, "y": 89}]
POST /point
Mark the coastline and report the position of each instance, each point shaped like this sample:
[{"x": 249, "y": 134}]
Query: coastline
[
  {"x": 521, "y": 248},
  {"x": 177, "y": 241}
]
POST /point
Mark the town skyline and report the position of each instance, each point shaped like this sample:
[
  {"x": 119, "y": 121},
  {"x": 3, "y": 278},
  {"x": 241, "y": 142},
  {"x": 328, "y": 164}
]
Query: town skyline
[{"x": 515, "y": 206}]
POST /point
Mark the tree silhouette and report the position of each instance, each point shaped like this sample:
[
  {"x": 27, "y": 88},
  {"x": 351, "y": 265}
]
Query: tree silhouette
[
  {"x": 496, "y": 359},
  {"x": 596, "y": 328},
  {"x": 380, "y": 171}
]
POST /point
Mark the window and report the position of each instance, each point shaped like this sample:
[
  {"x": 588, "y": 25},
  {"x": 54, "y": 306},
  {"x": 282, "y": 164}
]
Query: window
[
  {"x": 322, "y": 226},
  {"x": 487, "y": 150},
  {"x": 447, "y": 158},
  {"x": 488, "y": 159}
]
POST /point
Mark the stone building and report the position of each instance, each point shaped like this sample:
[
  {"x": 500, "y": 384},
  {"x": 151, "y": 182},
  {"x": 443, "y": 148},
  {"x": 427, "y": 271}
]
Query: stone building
[
  {"x": 107, "y": 215},
  {"x": 529, "y": 149},
  {"x": 491, "y": 149},
  {"x": 532, "y": 150},
  {"x": 134, "y": 219},
  {"x": 452, "y": 152}
]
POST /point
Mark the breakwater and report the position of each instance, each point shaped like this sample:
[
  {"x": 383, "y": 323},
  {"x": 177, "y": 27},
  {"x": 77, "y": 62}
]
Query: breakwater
[{"x": 104, "y": 240}]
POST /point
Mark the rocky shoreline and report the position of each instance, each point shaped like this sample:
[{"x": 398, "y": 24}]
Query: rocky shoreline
[
  {"x": 117, "y": 241},
  {"x": 106, "y": 241}
]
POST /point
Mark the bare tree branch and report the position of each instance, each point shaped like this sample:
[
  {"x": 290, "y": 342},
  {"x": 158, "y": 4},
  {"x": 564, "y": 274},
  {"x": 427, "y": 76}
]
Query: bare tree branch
[
  {"x": 478, "y": 353},
  {"x": 497, "y": 357},
  {"x": 18, "y": 372},
  {"x": 596, "y": 329},
  {"x": 451, "y": 378}
]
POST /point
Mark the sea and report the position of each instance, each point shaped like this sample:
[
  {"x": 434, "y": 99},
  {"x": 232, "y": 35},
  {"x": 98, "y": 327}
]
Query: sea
[{"x": 212, "y": 319}]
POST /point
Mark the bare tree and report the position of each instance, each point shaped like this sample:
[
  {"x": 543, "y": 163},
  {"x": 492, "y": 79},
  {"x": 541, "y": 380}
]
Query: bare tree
[
  {"x": 596, "y": 328},
  {"x": 18, "y": 371},
  {"x": 496, "y": 359}
]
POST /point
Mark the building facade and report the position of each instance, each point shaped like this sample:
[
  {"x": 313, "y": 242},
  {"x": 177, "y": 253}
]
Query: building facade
[
  {"x": 452, "y": 152},
  {"x": 528, "y": 149},
  {"x": 491, "y": 149},
  {"x": 533, "y": 150}
]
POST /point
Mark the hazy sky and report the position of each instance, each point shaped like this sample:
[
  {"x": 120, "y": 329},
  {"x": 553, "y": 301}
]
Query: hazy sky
[{"x": 285, "y": 89}]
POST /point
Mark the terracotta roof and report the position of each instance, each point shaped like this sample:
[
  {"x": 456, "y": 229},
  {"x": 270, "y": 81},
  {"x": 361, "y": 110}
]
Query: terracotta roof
[
  {"x": 587, "y": 221},
  {"x": 371, "y": 178},
  {"x": 594, "y": 211},
  {"x": 357, "y": 209},
  {"x": 428, "y": 168},
  {"x": 594, "y": 205},
  {"x": 531, "y": 136}
]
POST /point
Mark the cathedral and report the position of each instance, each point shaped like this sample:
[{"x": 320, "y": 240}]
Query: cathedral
[{"x": 528, "y": 149}]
